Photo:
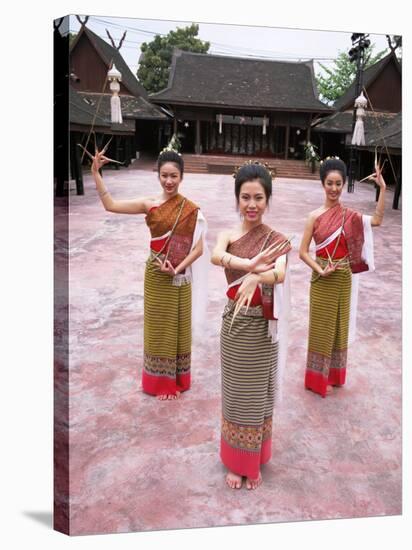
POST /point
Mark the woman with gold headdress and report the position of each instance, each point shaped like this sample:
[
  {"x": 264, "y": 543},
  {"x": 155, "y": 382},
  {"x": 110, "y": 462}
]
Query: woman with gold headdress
[
  {"x": 344, "y": 246},
  {"x": 174, "y": 276},
  {"x": 254, "y": 329}
]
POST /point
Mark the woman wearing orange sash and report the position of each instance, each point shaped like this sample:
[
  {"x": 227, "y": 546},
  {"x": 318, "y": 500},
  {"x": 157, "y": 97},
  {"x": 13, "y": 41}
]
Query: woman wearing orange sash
[
  {"x": 254, "y": 329},
  {"x": 344, "y": 247},
  {"x": 174, "y": 272}
]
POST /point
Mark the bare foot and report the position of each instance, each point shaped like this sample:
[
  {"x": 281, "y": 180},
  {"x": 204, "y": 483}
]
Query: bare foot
[
  {"x": 174, "y": 395},
  {"x": 329, "y": 390},
  {"x": 164, "y": 396},
  {"x": 233, "y": 480},
  {"x": 253, "y": 483}
]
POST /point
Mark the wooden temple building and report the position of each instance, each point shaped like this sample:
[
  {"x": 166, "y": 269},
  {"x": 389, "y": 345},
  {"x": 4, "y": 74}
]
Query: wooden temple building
[{"x": 238, "y": 106}]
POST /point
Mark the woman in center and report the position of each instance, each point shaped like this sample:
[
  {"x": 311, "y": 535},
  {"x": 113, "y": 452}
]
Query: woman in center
[{"x": 254, "y": 328}]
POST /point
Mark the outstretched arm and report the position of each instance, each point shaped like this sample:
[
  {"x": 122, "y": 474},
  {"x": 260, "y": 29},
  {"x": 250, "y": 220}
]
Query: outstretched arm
[
  {"x": 133, "y": 206},
  {"x": 380, "y": 207}
]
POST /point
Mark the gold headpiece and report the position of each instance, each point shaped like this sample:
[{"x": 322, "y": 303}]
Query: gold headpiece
[
  {"x": 328, "y": 158},
  {"x": 173, "y": 145},
  {"x": 265, "y": 165}
]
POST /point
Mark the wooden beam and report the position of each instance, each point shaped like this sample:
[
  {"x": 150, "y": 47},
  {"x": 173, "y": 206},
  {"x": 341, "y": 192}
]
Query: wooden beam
[
  {"x": 287, "y": 136},
  {"x": 197, "y": 145}
]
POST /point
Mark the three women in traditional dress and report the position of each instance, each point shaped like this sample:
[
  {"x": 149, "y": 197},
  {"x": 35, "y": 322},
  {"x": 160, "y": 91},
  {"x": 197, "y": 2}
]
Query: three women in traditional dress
[
  {"x": 253, "y": 333},
  {"x": 174, "y": 271},
  {"x": 344, "y": 248}
]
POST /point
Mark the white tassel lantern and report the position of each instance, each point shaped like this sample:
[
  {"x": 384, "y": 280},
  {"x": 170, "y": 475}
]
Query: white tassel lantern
[
  {"x": 115, "y": 77},
  {"x": 358, "y": 137},
  {"x": 265, "y": 122},
  {"x": 220, "y": 119}
]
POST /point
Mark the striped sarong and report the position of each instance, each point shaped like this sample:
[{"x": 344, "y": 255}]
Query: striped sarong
[
  {"x": 328, "y": 329},
  {"x": 249, "y": 363},
  {"x": 167, "y": 333}
]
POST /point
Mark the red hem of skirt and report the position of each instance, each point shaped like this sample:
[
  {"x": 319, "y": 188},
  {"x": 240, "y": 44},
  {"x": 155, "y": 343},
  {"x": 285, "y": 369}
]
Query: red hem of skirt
[
  {"x": 318, "y": 383},
  {"x": 243, "y": 462},
  {"x": 162, "y": 385}
]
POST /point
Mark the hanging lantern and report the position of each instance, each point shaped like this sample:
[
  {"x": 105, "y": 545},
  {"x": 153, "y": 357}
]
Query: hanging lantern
[
  {"x": 114, "y": 76},
  {"x": 220, "y": 121},
  {"x": 265, "y": 123},
  {"x": 358, "y": 137}
]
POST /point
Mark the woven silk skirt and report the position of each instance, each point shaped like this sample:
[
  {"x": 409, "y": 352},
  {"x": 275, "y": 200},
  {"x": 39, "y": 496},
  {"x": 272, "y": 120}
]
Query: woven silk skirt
[
  {"x": 328, "y": 330},
  {"x": 249, "y": 363},
  {"x": 167, "y": 333}
]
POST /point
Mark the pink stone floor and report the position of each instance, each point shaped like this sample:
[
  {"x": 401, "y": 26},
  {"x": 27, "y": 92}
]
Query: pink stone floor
[{"x": 140, "y": 464}]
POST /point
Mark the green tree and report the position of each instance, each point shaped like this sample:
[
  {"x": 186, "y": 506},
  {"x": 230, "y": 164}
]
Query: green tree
[
  {"x": 72, "y": 36},
  {"x": 336, "y": 80},
  {"x": 156, "y": 57}
]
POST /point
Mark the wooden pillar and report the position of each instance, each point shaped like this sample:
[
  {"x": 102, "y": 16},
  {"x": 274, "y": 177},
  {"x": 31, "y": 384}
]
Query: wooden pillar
[
  {"x": 287, "y": 136},
  {"x": 175, "y": 125},
  {"x": 77, "y": 165},
  {"x": 308, "y": 133},
  {"x": 117, "y": 149},
  {"x": 398, "y": 188},
  {"x": 197, "y": 144},
  {"x": 321, "y": 146}
]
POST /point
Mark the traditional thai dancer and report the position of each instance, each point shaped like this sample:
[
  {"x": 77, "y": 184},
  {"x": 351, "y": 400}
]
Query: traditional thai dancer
[
  {"x": 254, "y": 328},
  {"x": 174, "y": 275},
  {"x": 344, "y": 246}
]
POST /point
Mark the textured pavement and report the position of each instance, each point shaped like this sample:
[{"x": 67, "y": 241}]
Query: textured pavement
[{"x": 140, "y": 464}]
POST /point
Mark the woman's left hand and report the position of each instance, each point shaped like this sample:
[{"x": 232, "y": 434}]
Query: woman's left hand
[
  {"x": 378, "y": 178},
  {"x": 246, "y": 290},
  {"x": 166, "y": 267}
]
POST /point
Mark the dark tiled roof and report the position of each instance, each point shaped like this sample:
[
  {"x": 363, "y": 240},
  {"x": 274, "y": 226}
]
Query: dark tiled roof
[
  {"x": 83, "y": 113},
  {"x": 342, "y": 122},
  {"x": 389, "y": 134},
  {"x": 376, "y": 124},
  {"x": 132, "y": 107},
  {"x": 369, "y": 76},
  {"x": 214, "y": 80}
]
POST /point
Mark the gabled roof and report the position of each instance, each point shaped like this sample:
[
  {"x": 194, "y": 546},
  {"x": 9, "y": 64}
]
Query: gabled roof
[
  {"x": 389, "y": 134},
  {"x": 110, "y": 54},
  {"x": 80, "y": 112},
  {"x": 376, "y": 125},
  {"x": 369, "y": 76},
  {"x": 342, "y": 122},
  {"x": 83, "y": 113},
  {"x": 225, "y": 81}
]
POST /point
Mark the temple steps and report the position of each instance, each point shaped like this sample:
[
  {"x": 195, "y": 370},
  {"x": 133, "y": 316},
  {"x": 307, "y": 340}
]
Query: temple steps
[
  {"x": 219, "y": 164},
  {"x": 222, "y": 164}
]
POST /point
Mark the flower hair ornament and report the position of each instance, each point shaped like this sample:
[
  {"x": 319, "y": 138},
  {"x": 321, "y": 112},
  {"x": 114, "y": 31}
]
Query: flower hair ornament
[
  {"x": 329, "y": 158},
  {"x": 173, "y": 145},
  {"x": 265, "y": 165}
]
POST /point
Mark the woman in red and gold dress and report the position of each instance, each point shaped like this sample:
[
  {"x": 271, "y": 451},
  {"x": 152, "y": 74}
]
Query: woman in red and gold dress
[
  {"x": 254, "y": 329},
  {"x": 174, "y": 275},
  {"x": 344, "y": 247}
]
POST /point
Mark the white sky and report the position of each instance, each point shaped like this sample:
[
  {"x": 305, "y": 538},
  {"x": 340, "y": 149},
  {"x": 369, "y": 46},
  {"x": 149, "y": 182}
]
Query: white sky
[{"x": 225, "y": 39}]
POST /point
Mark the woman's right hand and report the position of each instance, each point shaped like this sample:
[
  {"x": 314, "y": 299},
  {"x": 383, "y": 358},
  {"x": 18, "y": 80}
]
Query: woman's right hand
[{"x": 99, "y": 160}]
